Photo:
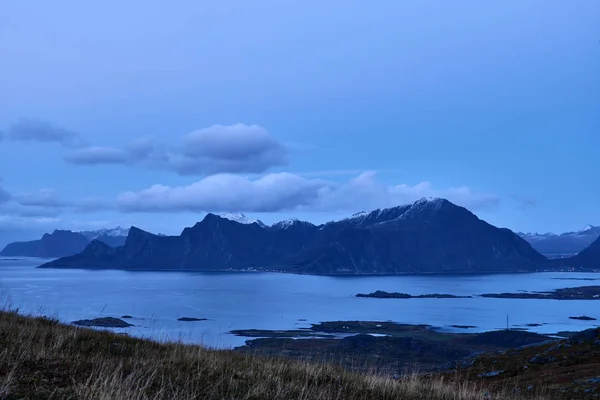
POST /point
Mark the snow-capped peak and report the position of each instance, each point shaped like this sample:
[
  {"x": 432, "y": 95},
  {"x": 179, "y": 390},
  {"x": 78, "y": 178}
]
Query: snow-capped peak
[
  {"x": 240, "y": 218},
  {"x": 587, "y": 228},
  {"x": 290, "y": 222},
  {"x": 428, "y": 200},
  {"x": 286, "y": 223}
]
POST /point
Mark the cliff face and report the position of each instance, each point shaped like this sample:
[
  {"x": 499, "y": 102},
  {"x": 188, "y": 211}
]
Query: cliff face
[{"x": 427, "y": 236}]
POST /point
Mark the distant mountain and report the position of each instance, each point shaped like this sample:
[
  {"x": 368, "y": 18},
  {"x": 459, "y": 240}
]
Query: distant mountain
[
  {"x": 565, "y": 244},
  {"x": 428, "y": 236},
  {"x": 61, "y": 243}
]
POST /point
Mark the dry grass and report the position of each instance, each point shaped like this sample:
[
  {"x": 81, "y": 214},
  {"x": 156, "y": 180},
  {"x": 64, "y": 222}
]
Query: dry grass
[{"x": 43, "y": 359}]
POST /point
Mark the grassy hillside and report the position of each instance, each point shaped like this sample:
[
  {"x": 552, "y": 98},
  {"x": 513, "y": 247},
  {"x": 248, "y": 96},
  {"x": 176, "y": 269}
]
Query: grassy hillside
[
  {"x": 43, "y": 359},
  {"x": 567, "y": 369}
]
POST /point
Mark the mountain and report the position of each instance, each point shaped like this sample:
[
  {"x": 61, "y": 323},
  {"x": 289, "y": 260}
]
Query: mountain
[
  {"x": 588, "y": 258},
  {"x": 61, "y": 243},
  {"x": 428, "y": 236},
  {"x": 114, "y": 237},
  {"x": 56, "y": 244},
  {"x": 564, "y": 244}
]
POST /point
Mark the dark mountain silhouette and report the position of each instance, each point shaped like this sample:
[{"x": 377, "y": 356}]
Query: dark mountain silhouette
[
  {"x": 60, "y": 243},
  {"x": 588, "y": 258},
  {"x": 427, "y": 236}
]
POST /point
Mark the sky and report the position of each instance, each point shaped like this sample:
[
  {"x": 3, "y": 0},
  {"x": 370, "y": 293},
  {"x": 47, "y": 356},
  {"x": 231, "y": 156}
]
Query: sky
[{"x": 152, "y": 113}]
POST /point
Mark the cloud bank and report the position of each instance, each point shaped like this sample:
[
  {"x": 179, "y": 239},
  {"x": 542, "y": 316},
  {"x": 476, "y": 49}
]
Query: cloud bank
[
  {"x": 288, "y": 192},
  {"x": 217, "y": 149},
  {"x": 35, "y": 130},
  {"x": 4, "y": 195},
  {"x": 97, "y": 155}
]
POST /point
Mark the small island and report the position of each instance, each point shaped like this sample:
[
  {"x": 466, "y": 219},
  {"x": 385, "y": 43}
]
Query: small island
[
  {"x": 380, "y": 294},
  {"x": 191, "y": 319},
  {"x": 105, "y": 322},
  {"x": 584, "y": 318},
  {"x": 575, "y": 293}
]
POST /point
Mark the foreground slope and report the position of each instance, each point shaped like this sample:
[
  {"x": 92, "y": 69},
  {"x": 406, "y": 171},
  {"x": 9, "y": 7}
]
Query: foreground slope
[
  {"x": 42, "y": 359},
  {"x": 427, "y": 236},
  {"x": 568, "y": 369}
]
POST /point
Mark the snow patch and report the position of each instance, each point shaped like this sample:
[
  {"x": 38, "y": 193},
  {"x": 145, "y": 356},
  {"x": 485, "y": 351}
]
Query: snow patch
[
  {"x": 112, "y": 232},
  {"x": 240, "y": 218},
  {"x": 289, "y": 222}
]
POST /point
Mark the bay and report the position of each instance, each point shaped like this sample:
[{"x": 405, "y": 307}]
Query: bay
[{"x": 283, "y": 301}]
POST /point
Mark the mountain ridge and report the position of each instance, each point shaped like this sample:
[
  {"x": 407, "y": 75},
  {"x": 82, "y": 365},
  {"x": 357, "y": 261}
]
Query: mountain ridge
[
  {"x": 62, "y": 243},
  {"x": 563, "y": 244},
  {"x": 427, "y": 236}
]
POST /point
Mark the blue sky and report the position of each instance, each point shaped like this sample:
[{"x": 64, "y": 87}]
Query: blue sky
[{"x": 151, "y": 113}]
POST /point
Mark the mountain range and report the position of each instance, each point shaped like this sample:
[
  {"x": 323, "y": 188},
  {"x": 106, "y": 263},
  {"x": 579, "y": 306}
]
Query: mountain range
[
  {"x": 565, "y": 244},
  {"x": 62, "y": 243},
  {"x": 428, "y": 236}
]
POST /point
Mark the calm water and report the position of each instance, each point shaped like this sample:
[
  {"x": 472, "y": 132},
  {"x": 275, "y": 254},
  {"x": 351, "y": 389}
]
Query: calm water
[{"x": 278, "y": 301}]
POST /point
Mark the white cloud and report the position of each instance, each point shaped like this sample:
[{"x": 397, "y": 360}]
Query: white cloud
[
  {"x": 237, "y": 148},
  {"x": 288, "y": 192}
]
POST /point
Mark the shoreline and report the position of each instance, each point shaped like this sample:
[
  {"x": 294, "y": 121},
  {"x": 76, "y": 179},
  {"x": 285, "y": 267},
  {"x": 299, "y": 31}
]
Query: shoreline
[{"x": 234, "y": 271}]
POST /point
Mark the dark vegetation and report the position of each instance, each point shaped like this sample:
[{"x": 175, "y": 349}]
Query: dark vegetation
[{"x": 565, "y": 369}]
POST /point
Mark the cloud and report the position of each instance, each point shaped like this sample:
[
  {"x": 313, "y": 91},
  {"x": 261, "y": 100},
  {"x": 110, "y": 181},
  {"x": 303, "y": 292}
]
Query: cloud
[
  {"x": 524, "y": 201},
  {"x": 5, "y": 196},
  {"x": 47, "y": 203},
  {"x": 43, "y": 198},
  {"x": 20, "y": 208},
  {"x": 288, "y": 192},
  {"x": 29, "y": 129},
  {"x": 12, "y": 222},
  {"x": 97, "y": 155},
  {"x": 230, "y": 149},
  {"x": 217, "y": 149}
]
